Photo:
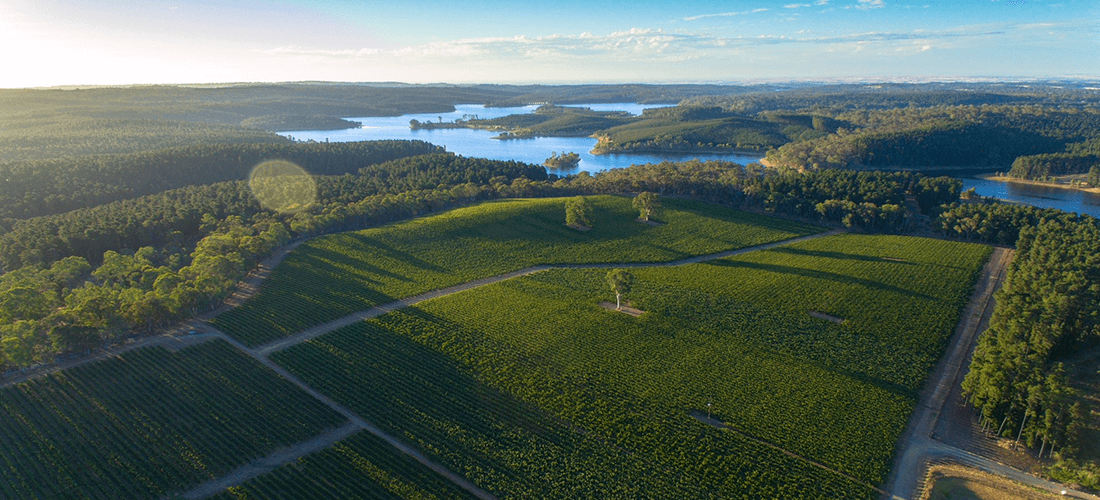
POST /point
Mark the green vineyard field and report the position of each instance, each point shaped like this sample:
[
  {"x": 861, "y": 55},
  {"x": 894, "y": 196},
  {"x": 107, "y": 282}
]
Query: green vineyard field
[
  {"x": 330, "y": 277},
  {"x": 515, "y": 449},
  {"x": 362, "y": 466},
  {"x": 530, "y": 383},
  {"x": 148, "y": 423}
]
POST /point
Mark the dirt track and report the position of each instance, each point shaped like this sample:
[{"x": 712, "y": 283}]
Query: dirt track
[
  {"x": 292, "y": 453},
  {"x": 921, "y": 442}
]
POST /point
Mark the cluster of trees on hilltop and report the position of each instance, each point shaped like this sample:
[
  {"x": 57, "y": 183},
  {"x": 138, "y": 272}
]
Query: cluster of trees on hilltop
[
  {"x": 1045, "y": 312},
  {"x": 557, "y": 121},
  {"x": 34, "y": 188},
  {"x": 692, "y": 129},
  {"x": 965, "y": 136}
]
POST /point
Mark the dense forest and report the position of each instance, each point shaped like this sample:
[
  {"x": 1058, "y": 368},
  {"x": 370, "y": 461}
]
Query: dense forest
[
  {"x": 42, "y": 138},
  {"x": 1078, "y": 158},
  {"x": 34, "y": 188},
  {"x": 287, "y": 122},
  {"x": 177, "y": 216},
  {"x": 1045, "y": 314},
  {"x": 986, "y": 136}
]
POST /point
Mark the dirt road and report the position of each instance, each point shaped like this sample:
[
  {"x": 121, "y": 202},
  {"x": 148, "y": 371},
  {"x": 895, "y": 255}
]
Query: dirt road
[{"x": 919, "y": 443}]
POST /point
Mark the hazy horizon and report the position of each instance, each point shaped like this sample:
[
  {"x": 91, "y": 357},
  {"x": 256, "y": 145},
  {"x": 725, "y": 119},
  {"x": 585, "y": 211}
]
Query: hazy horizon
[{"x": 70, "y": 43}]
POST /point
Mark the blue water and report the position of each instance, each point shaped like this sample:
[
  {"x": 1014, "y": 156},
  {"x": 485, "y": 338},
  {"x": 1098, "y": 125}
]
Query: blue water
[
  {"x": 1069, "y": 200},
  {"x": 479, "y": 143}
]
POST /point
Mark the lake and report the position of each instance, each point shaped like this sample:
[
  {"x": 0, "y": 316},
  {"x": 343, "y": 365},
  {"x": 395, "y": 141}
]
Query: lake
[
  {"x": 1069, "y": 200},
  {"x": 479, "y": 143}
]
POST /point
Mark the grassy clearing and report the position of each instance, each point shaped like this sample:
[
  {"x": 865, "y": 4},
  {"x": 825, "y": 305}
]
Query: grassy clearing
[
  {"x": 529, "y": 385},
  {"x": 148, "y": 423},
  {"x": 956, "y": 482},
  {"x": 330, "y": 277}
]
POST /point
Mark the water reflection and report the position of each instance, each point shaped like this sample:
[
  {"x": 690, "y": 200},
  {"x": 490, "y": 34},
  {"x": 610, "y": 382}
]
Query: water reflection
[
  {"x": 1069, "y": 200},
  {"x": 480, "y": 144}
]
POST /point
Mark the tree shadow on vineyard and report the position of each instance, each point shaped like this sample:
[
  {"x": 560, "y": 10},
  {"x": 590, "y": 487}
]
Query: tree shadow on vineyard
[
  {"x": 422, "y": 394},
  {"x": 838, "y": 255},
  {"x": 393, "y": 253},
  {"x": 328, "y": 263},
  {"x": 822, "y": 275}
]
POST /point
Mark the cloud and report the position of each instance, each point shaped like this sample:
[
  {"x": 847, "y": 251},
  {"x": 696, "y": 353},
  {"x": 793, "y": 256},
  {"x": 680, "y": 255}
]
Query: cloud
[
  {"x": 636, "y": 44},
  {"x": 796, "y": 5},
  {"x": 724, "y": 14},
  {"x": 870, "y": 4},
  {"x": 638, "y": 52}
]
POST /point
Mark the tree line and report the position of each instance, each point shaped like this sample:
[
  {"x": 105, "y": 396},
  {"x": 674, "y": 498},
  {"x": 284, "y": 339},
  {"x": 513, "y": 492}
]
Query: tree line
[
  {"x": 175, "y": 217},
  {"x": 1046, "y": 311},
  {"x": 34, "y": 188}
]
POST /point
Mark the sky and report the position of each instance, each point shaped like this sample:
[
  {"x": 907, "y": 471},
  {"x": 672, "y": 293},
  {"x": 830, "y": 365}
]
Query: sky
[{"x": 114, "y": 42}]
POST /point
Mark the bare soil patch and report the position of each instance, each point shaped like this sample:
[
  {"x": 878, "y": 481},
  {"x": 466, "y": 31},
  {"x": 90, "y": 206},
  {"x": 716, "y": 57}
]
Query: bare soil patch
[
  {"x": 955, "y": 482},
  {"x": 579, "y": 227},
  {"x": 625, "y": 309},
  {"x": 827, "y": 317}
]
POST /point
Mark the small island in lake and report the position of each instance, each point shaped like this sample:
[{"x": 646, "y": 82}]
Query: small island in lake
[{"x": 564, "y": 160}]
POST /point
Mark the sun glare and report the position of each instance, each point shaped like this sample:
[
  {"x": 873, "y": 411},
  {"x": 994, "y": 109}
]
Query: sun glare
[{"x": 282, "y": 186}]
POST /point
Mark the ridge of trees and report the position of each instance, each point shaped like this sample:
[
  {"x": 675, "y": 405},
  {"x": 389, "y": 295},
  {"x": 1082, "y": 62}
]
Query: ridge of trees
[
  {"x": 38, "y": 137},
  {"x": 287, "y": 122},
  {"x": 34, "y": 188},
  {"x": 983, "y": 136},
  {"x": 1078, "y": 158}
]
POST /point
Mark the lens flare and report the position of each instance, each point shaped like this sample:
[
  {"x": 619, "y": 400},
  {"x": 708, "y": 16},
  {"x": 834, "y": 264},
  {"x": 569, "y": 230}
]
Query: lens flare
[{"x": 282, "y": 186}]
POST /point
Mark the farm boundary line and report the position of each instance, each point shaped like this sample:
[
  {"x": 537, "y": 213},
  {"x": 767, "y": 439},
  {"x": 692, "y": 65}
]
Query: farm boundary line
[
  {"x": 271, "y": 462},
  {"x": 294, "y": 452},
  {"x": 713, "y": 422},
  {"x": 305, "y": 335}
]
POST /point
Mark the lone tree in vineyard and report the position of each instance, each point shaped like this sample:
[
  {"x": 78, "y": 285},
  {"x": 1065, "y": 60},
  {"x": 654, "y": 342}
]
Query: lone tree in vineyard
[
  {"x": 620, "y": 281},
  {"x": 646, "y": 203},
  {"x": 576, "y": 212}
]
